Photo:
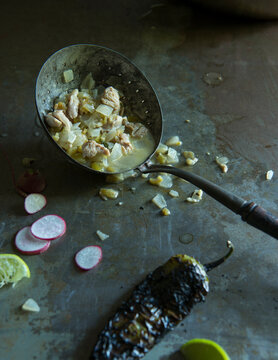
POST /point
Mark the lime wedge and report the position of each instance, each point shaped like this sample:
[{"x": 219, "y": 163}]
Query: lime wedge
[
  {"x": 12, "y": 269},
  {"x": 203, "y": 349}
]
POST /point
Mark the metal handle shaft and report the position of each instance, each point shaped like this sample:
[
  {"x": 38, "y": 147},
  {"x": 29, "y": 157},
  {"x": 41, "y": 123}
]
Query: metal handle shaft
[{"x": 250, "y": 212}]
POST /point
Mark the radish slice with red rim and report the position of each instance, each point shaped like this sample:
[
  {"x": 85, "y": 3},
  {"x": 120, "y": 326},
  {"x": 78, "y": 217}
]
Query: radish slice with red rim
[
  {"x": 26, "y": 243},
  {"x": 88, "y": 257},
  {"x": 49, "y": 227},
  {"x": 34, "y": 203}
]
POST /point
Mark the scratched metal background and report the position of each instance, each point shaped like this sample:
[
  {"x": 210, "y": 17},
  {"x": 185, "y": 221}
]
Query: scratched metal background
[{"x": 175, "y": 46}]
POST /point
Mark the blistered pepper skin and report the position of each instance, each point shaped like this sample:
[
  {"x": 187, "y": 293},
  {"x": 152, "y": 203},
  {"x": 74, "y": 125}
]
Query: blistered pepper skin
[{"x": 155, "y": 307}]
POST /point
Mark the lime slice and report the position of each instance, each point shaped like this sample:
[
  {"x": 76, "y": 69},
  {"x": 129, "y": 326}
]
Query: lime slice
[
  {"x": 12, "y": 269},
  {"x": 203, "y": 349}
]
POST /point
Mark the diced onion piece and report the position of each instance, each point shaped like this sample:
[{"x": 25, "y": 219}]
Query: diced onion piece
[
  {"x": 159, "y": 201},
  {"x": 88, "y": 108},
  {"x": 189, "y": 154},
  {"x": 196, "y": 196},
  {"x": 110, "y": 135},
  {"x": 88, "y": 82},
  {"x": 269, "y": 174},
  {"x": 191, "y": 162},
  {"x": 104, "y": 110},
  {"x": 172, "y": 156},
  {"x": 162, "y": 149},
  {"x": 222, "y": 162},
  {"x": 173, "y": 141},
  {"x": 166, "y": 182},
  {"x": 101, "y": 235},
  {"x": 68, "y": 75},
  {"x": 108, "y": 193},
  {"x": 116, "y": 152},
  {"x": 30, "y": 305},
  {"x": 93, "y": 132},
  {"x": 174, "y": 193}
]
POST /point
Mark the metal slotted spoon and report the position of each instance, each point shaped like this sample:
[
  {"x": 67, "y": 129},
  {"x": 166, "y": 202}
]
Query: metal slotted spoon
[{"x": 110, "y": 68}]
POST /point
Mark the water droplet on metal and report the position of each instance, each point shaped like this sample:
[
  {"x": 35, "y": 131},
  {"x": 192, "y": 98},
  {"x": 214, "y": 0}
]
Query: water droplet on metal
[
  {"x": 186, "y": 239},
  {"x": 213, "y": 78}
]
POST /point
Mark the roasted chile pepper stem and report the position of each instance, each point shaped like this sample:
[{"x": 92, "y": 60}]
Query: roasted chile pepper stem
[{"x": 214, "y": 264}]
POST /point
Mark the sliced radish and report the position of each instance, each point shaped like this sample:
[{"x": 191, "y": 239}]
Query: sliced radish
[
  {"x": 88, "y": 257},
  {"x": 34, "y": 203},
  {"x": 26, "y": 243},
  {"x": 49, "y": 227},
  {"x": 31, "y": 181}
]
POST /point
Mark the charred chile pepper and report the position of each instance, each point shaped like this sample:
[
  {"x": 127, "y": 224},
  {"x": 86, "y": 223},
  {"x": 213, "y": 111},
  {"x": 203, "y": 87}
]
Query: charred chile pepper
[{"x": 155, "y": 307}]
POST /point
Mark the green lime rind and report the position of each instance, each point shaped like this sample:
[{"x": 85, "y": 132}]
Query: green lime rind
[{"x": 203, "y": 349}]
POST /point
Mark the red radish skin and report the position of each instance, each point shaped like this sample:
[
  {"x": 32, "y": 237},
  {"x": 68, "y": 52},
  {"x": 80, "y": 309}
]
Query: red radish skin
[
  {"x": 31, "y": 181},
  {"x": 88, "y": 257},
  {"x": 27, "y": 244},
  {"x": 49, "y": 227},
  {"x": 33, "y": 203}
]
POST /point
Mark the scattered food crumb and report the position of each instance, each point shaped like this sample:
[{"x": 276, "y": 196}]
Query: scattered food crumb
[
  {"x": 187, "y": 121},
  {"x": 269, "y": 174},
  {"x": 190, "y": 158},
  {"x": 30, "y": 305},
  {"x": 120, "y": 203},
  {"x": 196, "y": 196},
  {"x": 159, "y": 201},
  {"x": 145, "y": 176},
  {"x": 208, "y": 153},
  {"x": 222, "y": 162},
  {"x": 108, "y": 193},
  {"x": 68, "y": 76},
  {"x": 173, "y": 141},
  {"x": 133, "y": 189},
  {"x": 101, "y": 235},
  {"x": 114, "y": 178},
  {"x": 191, "y": 162},
  {"x": 174, "y": 193},
  {"x": 165, "y": 212},
  {"x": 156, "y": 181}
]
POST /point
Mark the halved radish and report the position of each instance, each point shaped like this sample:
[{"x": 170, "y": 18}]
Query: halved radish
[
  {"x": 49, "y": 227},
  {"x": 31, "y": 181},
  {"x": 34, "y": 203},
  {"x": 88, "y": 257},
  {"x": 26, "y": 243}
]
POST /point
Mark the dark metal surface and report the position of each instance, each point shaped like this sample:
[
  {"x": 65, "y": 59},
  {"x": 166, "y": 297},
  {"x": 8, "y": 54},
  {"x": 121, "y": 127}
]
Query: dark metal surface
[{"x": 176, "y": 47}]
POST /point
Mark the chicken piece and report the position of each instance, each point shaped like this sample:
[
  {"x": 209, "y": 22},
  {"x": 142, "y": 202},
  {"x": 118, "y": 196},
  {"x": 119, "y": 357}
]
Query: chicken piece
[
  {"x": 125, "y": 142},
  {"x": 60, "y": 115},
  {"x": 113, "y": 122},
  {"x": 111, "y": 98},
  {"x": 91, "y": 148},
  {"x": 52, "y": 121},
  {"x": 73, "y": 104},
  {"x": 136, "y": 130}
]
